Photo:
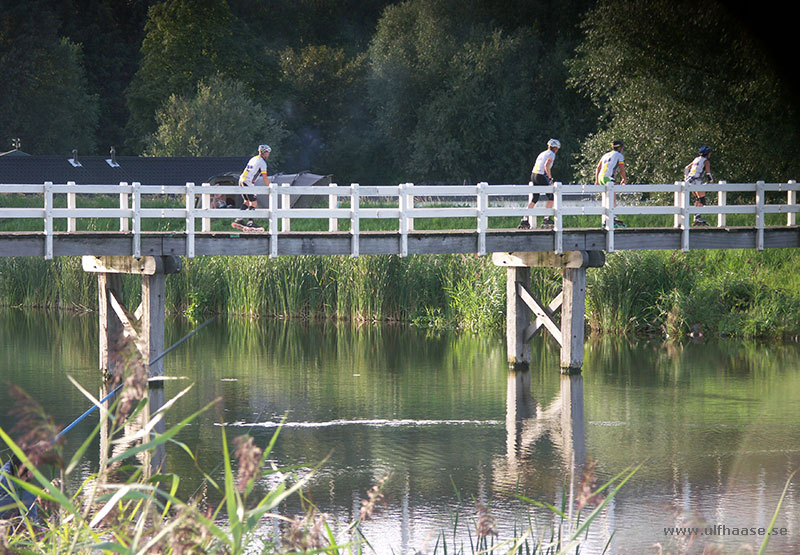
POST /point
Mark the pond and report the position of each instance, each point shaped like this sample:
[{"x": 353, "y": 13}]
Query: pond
[{"x": 714, "y": 425}]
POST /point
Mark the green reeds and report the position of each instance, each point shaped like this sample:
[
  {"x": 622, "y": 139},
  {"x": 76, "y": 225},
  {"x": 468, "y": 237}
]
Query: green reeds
[
  {"x": 463, "y": 290},
  {"x": 746, "y": 294}
]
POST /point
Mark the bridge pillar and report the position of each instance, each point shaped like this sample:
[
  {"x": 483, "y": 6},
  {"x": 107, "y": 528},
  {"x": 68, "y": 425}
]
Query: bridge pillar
[
  {"x": 521, "y": 304},
  {"x": 144, "y": 327}
]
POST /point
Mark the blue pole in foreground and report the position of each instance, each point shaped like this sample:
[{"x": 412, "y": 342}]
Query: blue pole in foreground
[{"x": 114, "y": 391}]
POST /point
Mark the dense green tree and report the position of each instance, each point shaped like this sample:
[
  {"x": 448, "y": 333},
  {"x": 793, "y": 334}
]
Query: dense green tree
[
  {"x": 44, "y": 95},
  {"x": 319, "y": 83},
  {"x": 219, "y": 120},
  {"x": 186, "y": 41},
  {"x": 344, "y": 24},
  {"x": 671, "y": 75},
  {"x": 467, "y": 91},
  {"x": 110, "y": 33}
]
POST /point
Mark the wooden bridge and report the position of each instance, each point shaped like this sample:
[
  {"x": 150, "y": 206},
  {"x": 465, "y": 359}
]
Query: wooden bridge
[
  {"x": 402, "y": 203},
  {"x": 188, "y": 215}
]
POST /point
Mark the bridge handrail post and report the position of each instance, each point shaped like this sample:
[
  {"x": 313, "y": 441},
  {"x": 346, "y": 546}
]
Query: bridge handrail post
[
  {"x": 333, "y": 204},
  {"x": 48, "y": 220},
  {"x": 124, "y": 204},
  {"x": 71, "y": 205},
  {"x": 760, "y": 215},
  {"x": 354, "y": 218},
  {"x": 205, "y": 204},
  {"x": 722, "y": 201},
  {"x": 273, "y": 219},
  {"x": 286, "y": 204},
  {"x": 137, "y": 220},
  {"x": 189, "y": 220},
  {"x": 410, "y": 204},
  {"x": 686, "y": 203},
  {"x": 557, "y": 218},
  {"x": 608, "y": 215},
  {"x": 402, "y": 200},
  {"x": 791, "y": 201},
  {"x": 676, "y": 218},
  {"x": 483, "y": 204}
]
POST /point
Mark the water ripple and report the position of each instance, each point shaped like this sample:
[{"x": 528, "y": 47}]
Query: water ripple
[{"x": 375, "y": 423}]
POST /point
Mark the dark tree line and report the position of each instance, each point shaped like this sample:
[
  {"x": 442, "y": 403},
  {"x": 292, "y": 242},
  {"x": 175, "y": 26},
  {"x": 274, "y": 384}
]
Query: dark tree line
[{"x": 386, "y": 91}]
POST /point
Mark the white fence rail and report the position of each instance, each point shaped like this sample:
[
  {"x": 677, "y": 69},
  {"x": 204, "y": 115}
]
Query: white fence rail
[{"x": 478, "y": 206}]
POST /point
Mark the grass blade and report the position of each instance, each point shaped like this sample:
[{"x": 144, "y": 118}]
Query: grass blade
[{"x": 763, "y": 548}]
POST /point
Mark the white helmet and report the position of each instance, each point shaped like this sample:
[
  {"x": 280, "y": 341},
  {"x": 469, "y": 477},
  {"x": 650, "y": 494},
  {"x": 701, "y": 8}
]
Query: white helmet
[
  {"x": 264, "y": 148},
  {"x": 554, "y": 143}
]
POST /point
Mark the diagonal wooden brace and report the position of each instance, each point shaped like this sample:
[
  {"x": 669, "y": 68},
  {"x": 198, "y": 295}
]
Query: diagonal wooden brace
[
  {"x": 129, "y": 322},
  {"x": 539, "y": 322},
  {"x": 571, "y": 302},
  {"x": 544, "y": 316}
]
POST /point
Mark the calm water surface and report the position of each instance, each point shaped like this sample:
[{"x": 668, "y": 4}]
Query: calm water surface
[{"x": 716, "y": 426}]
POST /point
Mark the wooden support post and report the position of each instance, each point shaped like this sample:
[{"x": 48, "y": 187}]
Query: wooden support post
[
  {"x": 152, "y": 332},
  {"x": 573, "y": 319},
  {"x": 152, "y": 320},
  {"x": 145, "y": 326},
  {"x": 518, "y": 317},
  {"x": 108, "y": 287},
  {"x": 520, "y": 304}
]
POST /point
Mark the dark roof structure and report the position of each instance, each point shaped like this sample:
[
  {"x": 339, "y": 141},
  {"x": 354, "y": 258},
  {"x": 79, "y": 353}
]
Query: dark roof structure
[{"x": 17, "y": 167}]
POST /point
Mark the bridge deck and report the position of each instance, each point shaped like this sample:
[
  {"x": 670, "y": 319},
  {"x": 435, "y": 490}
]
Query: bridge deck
[{"x": 377, "y": 242}]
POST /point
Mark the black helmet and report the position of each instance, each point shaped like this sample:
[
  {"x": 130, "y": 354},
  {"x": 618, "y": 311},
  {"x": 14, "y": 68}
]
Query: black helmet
[{"x": 617, "y": 144}]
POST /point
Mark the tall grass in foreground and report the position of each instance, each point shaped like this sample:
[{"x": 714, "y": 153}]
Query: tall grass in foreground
[{"x": 123, "y": 507}]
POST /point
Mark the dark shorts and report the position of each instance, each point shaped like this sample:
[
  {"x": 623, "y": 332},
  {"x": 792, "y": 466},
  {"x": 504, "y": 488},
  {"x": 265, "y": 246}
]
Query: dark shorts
[
  {"x": 539, "y": 179},
  {"x": 246, "y": 196}
]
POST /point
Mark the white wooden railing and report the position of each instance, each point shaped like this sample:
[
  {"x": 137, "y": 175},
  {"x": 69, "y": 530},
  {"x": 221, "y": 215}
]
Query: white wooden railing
[{"x": 131, "y": 212}]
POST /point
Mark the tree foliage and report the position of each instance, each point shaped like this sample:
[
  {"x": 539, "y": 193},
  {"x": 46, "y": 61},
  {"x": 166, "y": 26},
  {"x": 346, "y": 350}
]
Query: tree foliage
[
  {"x": 320, "y": 84},
  {"x": 402, "y": 90},
  {"x": 44, "y": 95},
  {"x": 110, "y": 33},
  {"x": 185, "y": 42},
  {"x": 669, "y": 76},
  {"x": 219, "y": 120},
  {"x": 469, "y": 91},
  {"x": 345, "y": 24}
]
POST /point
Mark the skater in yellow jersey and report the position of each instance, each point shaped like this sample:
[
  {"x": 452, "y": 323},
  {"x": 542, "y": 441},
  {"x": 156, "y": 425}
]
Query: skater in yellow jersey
[
  {"x": 256, "y": 168},
  {"x": 607, "y": 168}
]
